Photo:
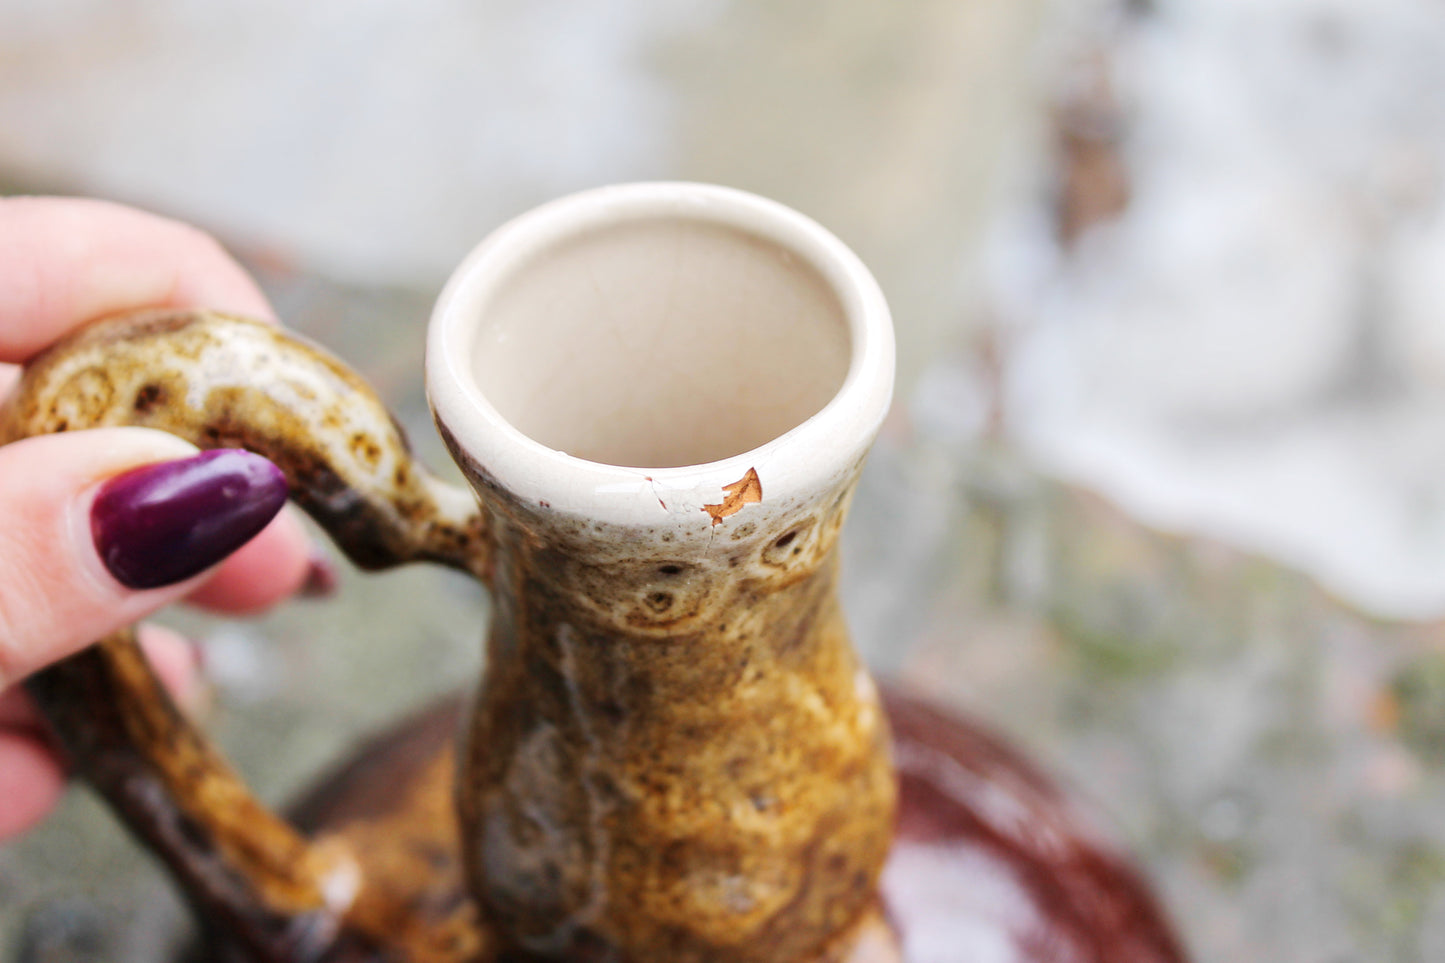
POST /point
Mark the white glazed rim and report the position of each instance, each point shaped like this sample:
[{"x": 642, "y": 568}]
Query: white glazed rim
[{"x": 801, "y": 463}]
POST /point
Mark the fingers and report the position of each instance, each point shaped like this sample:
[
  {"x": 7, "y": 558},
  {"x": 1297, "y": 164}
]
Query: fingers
[
  {"x": 87, "y": 547},
  {"x": 15, "y": 710},
  {"x": 82, "y": 551},
  {"x": 31, "y": 781},
  {"x": 171, "y": 654},
  {"x": 66, "y": 261},
  {"x": 176, "y": 661},
  {"x": 31, "y": 775},
  {"x": 268, "y": 569}
]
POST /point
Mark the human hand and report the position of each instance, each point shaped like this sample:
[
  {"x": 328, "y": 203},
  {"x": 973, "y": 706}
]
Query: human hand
[{"x": 80, "y": 555}]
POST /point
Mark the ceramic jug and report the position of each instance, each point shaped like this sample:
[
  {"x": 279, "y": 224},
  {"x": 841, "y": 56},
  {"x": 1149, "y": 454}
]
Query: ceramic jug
[{"x": 661, "y": 396}]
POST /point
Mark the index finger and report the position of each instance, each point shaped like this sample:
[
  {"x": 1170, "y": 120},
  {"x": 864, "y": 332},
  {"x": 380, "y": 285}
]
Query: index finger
[{"x": 66, "y": 261}]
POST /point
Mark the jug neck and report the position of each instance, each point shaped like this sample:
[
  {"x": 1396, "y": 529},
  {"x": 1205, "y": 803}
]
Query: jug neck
[{"x": 674, "y": 755}]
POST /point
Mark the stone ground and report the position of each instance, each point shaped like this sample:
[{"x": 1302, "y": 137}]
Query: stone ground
[{"x": 1273, "y": 755}]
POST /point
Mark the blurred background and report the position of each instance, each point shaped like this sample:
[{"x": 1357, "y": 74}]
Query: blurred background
[{"x": 1162, "y": 496}]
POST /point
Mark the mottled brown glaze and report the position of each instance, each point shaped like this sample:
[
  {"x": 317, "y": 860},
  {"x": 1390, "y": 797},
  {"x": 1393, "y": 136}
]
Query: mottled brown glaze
[
  {"x": 992, "y": 861},
  {"x": 248, "y": 874},
  {"x": 675, "y": 754},
  {"x": 221, "y": 381}
]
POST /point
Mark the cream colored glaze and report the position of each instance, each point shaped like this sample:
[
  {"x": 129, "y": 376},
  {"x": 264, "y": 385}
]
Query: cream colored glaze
[
  {"x": 660, "y": 343},
  {"x": 675, "y": 756},
  {"x": 766, "y": 268}
]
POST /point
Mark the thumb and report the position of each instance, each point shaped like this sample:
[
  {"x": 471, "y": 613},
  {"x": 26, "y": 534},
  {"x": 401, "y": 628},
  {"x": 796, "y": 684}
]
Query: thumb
[{"x": 99, "y": 528}]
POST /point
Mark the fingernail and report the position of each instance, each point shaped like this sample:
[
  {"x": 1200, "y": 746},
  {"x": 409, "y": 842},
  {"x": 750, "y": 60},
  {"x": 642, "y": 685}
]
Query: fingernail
[
  {"x": 161, "y": 524},
  {"x": 322, "y": 579}
]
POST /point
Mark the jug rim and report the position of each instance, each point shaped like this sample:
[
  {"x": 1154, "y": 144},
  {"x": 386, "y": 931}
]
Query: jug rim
[{"x": 812, "y": 457}]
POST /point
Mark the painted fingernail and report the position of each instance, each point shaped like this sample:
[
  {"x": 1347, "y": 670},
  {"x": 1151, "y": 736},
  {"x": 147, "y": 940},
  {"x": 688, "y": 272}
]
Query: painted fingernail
[
  {"x": 322, "y": 579},
  {"x": 161, "y": 524}
]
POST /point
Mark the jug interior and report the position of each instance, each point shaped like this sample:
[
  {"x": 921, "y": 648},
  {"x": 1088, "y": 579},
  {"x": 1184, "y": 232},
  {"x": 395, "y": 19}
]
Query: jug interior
[{"x": 660, "y": 342}]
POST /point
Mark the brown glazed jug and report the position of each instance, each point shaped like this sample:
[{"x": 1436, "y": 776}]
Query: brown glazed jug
[{"x": 661, "y": 396}]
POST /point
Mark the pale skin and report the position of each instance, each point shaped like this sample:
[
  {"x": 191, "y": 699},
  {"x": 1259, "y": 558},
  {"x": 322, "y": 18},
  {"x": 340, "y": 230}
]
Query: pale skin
[{"x": 65, "y": 262}]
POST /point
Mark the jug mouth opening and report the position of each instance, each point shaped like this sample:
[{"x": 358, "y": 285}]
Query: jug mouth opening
[{"x": 669, "y": 329}]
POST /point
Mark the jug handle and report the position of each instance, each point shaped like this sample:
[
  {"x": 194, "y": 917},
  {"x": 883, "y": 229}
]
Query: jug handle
[{"x": 220, "y": 381}]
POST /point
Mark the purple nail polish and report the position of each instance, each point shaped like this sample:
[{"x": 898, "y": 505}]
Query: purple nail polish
[{"x": 161, "y": 524}]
